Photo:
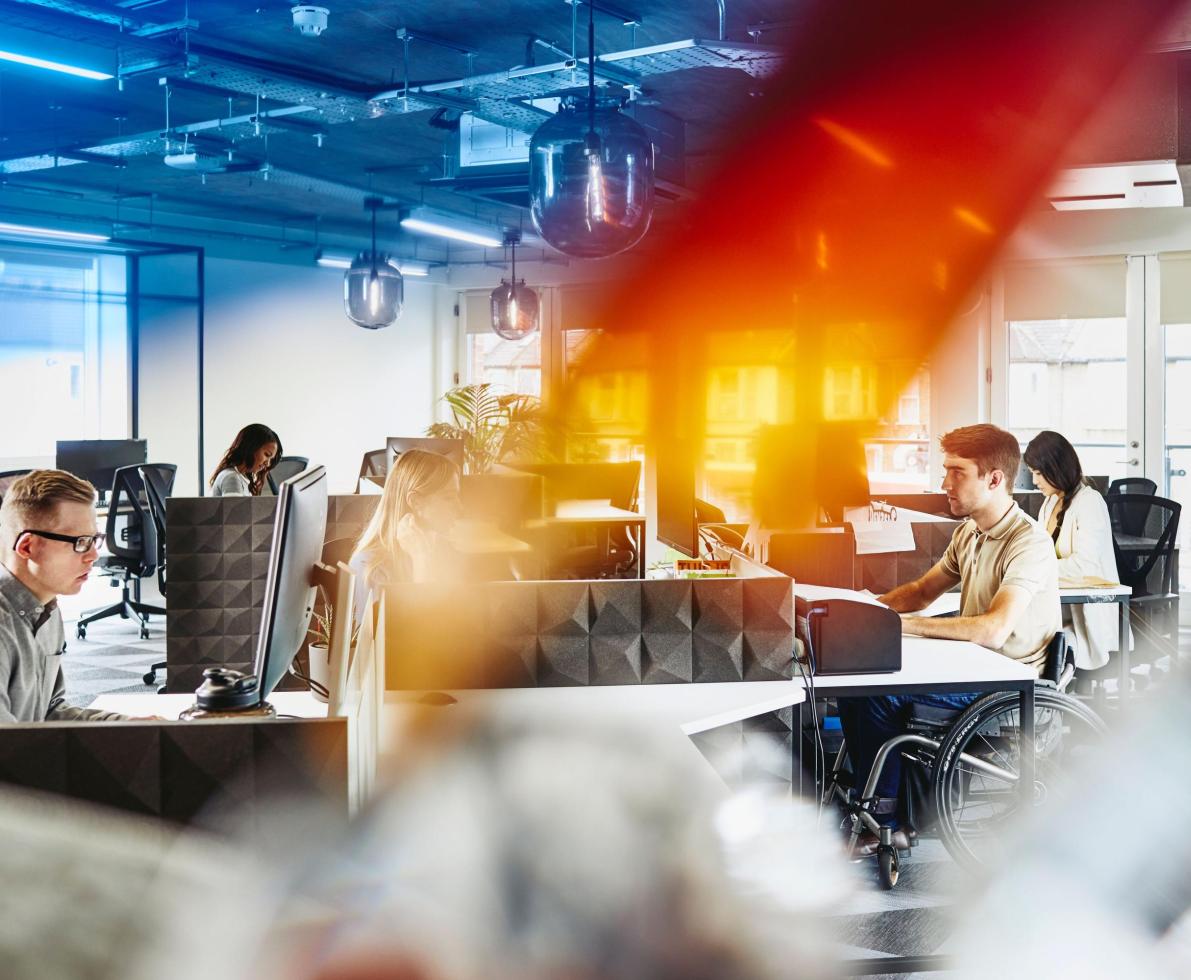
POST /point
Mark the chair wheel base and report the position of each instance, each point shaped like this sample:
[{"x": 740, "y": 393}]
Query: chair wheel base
[
  {"x": 150, "y": 678},
  {"x": 81, "y": 632}
]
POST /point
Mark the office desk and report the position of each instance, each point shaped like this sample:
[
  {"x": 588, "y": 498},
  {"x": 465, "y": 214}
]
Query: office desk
[
  {"x": 671, "y": 709},
  {"x": 948, "y": 605},
  {"x": 479, "y": 538},
  {"x": 603, "y": 517}
]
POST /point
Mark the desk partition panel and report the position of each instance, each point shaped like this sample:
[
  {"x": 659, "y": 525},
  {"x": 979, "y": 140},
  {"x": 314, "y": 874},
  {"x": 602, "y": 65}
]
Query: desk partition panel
[
  {"x": 218, "y": 550},
  {"x": 576, "y": 633},
  {"x": 184, "y": 772}
]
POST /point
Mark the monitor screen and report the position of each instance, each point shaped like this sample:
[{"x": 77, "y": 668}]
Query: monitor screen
[
  {"x": 299, "y": 528},
  {"x": 97, "y": 460},
  {"x": 1025, "y": 479},
  {"x": 451, "y": 448},
  {"x": 674, "y": 483}
]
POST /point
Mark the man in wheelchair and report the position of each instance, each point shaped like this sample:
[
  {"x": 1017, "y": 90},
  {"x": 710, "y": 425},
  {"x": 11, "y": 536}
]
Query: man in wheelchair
[{"x": 1008, "y": 573}]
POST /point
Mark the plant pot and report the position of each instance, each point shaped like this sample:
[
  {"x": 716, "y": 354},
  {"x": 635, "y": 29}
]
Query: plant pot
[{"x": 320, "y": 668}]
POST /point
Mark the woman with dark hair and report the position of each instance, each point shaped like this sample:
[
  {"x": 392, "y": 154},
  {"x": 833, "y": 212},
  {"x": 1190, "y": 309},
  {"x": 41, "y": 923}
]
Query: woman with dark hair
[
  {"x": 245, "y": 466},
  {"x": 1076, "y": 517}
]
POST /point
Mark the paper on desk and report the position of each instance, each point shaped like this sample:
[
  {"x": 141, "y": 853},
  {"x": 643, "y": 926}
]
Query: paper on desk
[
  {"x": 1087, "y": 582},
  {"x": 879, "y": 537}
]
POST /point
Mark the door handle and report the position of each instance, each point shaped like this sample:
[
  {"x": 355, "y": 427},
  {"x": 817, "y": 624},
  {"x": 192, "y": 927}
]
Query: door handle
[{"x": 1131, "y": 462}]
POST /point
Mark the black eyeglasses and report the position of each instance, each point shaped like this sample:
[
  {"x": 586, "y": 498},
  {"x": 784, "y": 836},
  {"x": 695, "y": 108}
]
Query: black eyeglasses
[{"x": 82, "y": 543}]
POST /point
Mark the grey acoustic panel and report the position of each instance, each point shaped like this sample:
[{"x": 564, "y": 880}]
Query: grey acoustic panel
[
  {"x": 717, "y": 643},
  {"x": 615, "y": 651},
  {"x": 768, "y": 629},
  {"x": 882, "y": 573},
  {"x": 564, "y": 624},
  {"x": 181, "y": 771},
  {"x": 667, "y": 648},
  {"x": 511, "y": 633},
  {"x": 435, "y": 637}
]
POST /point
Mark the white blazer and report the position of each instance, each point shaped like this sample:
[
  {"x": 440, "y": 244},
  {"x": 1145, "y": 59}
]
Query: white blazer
[{"x": 1084, "y": 550}]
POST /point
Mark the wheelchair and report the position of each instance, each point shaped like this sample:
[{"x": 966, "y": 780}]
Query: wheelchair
[{"x": 970, "y": 757}]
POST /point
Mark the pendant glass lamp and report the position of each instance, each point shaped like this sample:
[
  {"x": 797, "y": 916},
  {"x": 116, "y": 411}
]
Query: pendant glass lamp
[
  {"x": 591, "y": 173},
  {"x": 373, "y": 288},
  {"x": 514, "y": 305}
]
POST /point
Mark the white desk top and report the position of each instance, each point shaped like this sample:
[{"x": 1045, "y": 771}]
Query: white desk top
[
  {"x": 692, "y": 708},
  {"x": 948, "y": 602},
  {"x": 593, "y": 511},
  {"x": 301, "y": 704},
  {"x": 924, "y": 661}
]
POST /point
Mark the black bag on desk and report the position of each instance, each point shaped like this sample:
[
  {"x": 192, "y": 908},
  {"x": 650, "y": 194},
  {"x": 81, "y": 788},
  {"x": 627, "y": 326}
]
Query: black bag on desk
[{"x": 847, "y": 637}]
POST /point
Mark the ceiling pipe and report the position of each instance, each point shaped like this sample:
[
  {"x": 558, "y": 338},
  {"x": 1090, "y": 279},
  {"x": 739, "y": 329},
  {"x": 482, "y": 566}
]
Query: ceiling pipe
[{"x": 721, "y": 4}]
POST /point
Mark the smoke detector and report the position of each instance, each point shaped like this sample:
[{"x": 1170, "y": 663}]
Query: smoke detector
[{"x": 310, "y": 21}]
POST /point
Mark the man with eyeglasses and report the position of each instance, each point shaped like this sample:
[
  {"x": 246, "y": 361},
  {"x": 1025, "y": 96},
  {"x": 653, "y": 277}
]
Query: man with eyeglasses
[{"x": 48, "y": 543}]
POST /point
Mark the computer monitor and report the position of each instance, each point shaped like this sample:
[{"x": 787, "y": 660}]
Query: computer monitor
[
  {"x": 451, "y": 448},
  {"x": 674, "y": 485},
  {"x": 1025, "y": 479},
  {"x": 299, "y": 528},
  {"x": 97, "y": 460}
]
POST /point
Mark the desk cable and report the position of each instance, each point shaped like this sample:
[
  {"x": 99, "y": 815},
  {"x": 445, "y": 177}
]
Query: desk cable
[
  {"x": 808, "y": 683},
  {"x": 315, "y": 686}
]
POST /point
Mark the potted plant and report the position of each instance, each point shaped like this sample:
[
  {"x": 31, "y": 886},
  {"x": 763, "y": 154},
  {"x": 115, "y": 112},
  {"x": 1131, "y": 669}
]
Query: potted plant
[
  {"x": 493, "y": 428},
  {"x": 322, "y": 622}
]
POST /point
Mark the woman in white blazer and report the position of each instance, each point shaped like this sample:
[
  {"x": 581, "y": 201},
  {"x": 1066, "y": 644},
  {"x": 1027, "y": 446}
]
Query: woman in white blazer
[{"x": 1076, "y": 517}]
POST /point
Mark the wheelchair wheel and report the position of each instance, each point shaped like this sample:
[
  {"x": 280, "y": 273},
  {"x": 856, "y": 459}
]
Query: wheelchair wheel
[{"x": 975, "y": 779}]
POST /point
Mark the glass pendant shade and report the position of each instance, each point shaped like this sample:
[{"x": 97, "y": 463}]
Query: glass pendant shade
[
  {"x": 514, "y": 310},
  {"x": 373, "y": 291},
  {"x": 591, "y": 178}
]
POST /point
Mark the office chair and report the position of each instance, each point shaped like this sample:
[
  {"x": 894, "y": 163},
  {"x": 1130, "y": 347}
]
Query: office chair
[
  {"x": 132, "y": 543},
  {"x": 1133, "y": 484},
  {"x": 285, "y": 467},
  {"x": 1144, "y": 540},
  {"x": 374, "y": 463},
  {"x": 8, "y": 478},
  {"x": 158, "y": 479}
]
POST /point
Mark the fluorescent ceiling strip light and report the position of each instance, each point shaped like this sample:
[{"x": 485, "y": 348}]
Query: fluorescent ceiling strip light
[
  {"x": 58, "y": 66},
  {"x": 76, "y": 236},
  {"x": 449, "y": 231},
  {"x": 413, "y": 268},
  {"x": 334, "y": 261}
]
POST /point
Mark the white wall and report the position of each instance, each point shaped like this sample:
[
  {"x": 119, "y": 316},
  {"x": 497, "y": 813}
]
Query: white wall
[{"x": 280, "y": 350}]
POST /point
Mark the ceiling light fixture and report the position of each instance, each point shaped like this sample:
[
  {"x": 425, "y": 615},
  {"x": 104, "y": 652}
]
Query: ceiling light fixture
[
  {"x": 418, "y": 269},
  {"x": 373, "y": 290},
  {"x": 423, "y": 221},
  {"x": 58, "y": 66},
  {"x": 36, "y": 232},
  {"x": 514, "y": 305},
  {"x": 330, "y": 260},
  {"x": 591, "y": 172}
]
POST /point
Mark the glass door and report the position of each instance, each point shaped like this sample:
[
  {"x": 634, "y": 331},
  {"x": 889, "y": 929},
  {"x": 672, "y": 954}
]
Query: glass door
[{"x": 1073, "y": 362}]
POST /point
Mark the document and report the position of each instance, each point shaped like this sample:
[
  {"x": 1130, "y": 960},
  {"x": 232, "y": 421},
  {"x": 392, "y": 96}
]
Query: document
[{"x": 879, "y": 529}]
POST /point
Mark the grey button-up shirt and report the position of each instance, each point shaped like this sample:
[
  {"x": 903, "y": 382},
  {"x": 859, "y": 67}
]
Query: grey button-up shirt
[{"x": 32, "y": 641}]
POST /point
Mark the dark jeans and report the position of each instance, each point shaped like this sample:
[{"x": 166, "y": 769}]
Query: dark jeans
[{"x": 869, "y": 723}]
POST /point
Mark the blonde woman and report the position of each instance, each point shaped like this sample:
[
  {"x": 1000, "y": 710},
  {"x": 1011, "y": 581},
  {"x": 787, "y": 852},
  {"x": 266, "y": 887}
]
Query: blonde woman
[{"x": 406, "y": 539}]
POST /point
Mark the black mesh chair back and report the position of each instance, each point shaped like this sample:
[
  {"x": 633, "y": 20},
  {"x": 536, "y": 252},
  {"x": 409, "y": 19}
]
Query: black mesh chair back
[
  {"x": 284, "y": 468},
  {"x": 8, "y": 478},
  {"x": 131, "y": 531},
  {"x": 706, "y": 513},
  {"x": 1145, "y": 542},
  {"x": 1133, "y": 484},
  {"x": 158, "y": 479},
  {"x": 374, "y": 463}
]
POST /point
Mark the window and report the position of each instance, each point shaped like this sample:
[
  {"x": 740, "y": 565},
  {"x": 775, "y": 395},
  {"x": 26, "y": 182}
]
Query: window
[
  {"x": 64, "y": 353},
  {"x": 899, "y": 456},
  {"x": 1069, "y": 375}
]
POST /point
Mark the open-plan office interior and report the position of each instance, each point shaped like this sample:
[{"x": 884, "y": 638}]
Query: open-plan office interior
[{"x": 560, "y": 487}]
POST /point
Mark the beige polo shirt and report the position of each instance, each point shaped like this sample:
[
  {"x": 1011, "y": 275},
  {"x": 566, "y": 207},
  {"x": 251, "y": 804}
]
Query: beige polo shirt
[{"x": 1014, "y": 551}]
